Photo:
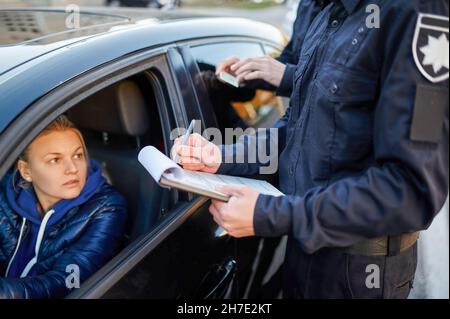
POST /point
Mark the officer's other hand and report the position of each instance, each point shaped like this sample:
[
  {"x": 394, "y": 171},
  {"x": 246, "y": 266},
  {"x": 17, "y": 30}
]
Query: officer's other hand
[
  {"x": 198, "y": 154},
  {"x": 225, "y": 65},
  {"x": 264, "y": 68},
  {"x": 236, "y": 216}
]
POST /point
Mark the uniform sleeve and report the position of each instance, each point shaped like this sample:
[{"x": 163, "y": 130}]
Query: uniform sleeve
[
  {"x": 405, "y": 187},
  {"x": 244, "y": 157},
  {"x": 287, "y": 57},
  {"x": 287, "y": 82},
  {"x": 99, "y": 243}
]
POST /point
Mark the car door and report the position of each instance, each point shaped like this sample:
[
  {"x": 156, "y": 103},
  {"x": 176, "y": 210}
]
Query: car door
[{"x": 184, "y": 254}]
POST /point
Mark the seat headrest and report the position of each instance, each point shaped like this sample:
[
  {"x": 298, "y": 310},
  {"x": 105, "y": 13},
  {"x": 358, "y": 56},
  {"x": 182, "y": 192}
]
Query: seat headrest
[{"x": 119, "y": 109}]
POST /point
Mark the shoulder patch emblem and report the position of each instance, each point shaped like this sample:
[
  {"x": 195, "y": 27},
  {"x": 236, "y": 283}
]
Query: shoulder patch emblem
[{"x": 430, "y": 47}]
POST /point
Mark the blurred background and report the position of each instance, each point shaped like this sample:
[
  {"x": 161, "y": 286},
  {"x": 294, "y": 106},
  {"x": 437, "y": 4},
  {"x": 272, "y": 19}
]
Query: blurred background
[{"x": 280, "y": 13}]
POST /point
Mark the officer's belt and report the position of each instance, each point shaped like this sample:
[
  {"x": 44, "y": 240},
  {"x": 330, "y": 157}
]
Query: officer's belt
[{"x": 382, "y": 246}]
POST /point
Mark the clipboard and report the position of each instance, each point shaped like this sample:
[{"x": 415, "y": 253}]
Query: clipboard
[
  {"x": 192, "y": 189},
  {"x": 168, "y": 174}
]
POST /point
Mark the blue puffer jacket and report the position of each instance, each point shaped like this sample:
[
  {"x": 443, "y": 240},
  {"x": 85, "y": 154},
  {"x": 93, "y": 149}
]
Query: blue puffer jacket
[{"x": 82, "y": 237}]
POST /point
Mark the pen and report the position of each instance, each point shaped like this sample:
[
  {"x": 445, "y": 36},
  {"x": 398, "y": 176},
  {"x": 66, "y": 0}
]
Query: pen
[{"x": 185, "y": 138}]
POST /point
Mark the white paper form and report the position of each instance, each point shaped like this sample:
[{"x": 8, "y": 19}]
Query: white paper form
[
  {"x": 215, "y": 180},
  {"x": 159, "y": 165},
  {"x": 156, "y": 163}
]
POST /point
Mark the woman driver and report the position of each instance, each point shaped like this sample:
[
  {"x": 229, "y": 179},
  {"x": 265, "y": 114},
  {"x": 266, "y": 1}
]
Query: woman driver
[{"x": 59, "y": 219}]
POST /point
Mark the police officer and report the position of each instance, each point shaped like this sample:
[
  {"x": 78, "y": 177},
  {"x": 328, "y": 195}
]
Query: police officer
[{"x": 364, "y": 151}]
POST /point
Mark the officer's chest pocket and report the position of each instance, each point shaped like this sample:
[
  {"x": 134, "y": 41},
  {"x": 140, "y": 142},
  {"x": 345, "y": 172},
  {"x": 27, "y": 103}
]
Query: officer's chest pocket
[{"x": 344, "y": 102}]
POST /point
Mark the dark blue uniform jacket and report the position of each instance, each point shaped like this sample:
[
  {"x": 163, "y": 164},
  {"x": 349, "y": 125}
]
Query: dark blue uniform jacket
[{"x": 363, "y": 146}]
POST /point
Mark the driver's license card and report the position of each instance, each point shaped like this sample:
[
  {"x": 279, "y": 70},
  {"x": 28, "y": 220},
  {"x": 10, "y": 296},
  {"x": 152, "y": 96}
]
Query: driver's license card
[{"x": 228, "y": 78}]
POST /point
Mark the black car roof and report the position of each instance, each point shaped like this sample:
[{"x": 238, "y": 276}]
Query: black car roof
[{"x": 29, "y": 68}]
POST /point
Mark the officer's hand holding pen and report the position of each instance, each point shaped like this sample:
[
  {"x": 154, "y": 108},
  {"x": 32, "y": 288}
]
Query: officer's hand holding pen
[
  {"x": 236, "y": 216},
  {"x": 198, "y": 154}
]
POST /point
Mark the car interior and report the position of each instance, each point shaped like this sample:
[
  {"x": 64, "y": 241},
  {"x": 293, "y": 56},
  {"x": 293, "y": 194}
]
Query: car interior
[{"x": 116, "y": 123}]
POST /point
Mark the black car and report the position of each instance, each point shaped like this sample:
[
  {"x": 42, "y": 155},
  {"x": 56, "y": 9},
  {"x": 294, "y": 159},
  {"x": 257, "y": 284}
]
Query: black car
[{"x": 127, "y": 79}]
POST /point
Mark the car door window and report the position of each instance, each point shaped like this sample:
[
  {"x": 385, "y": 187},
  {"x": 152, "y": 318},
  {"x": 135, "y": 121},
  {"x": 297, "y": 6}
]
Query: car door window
[
  {"x": 117, "y": 122},
  {"x": 236, "y": 107}
]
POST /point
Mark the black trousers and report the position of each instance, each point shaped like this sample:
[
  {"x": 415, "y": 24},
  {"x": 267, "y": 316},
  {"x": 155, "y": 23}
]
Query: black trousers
[{"x": 329, "y": 274}]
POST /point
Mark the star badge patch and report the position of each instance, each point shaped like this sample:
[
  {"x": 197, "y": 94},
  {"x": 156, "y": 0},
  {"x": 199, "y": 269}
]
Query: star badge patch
[{"x": 430, "y": 47}]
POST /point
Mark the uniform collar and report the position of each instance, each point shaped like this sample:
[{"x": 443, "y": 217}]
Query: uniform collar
[{"x": 349, "y": 5}]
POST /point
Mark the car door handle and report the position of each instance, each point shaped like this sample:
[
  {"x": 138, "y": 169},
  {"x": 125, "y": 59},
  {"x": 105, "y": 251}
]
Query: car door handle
[{"x": 216, "y": 282}]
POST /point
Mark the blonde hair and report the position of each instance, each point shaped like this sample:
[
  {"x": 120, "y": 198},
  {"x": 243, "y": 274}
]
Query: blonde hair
[{"x": 60, "y": 124}]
